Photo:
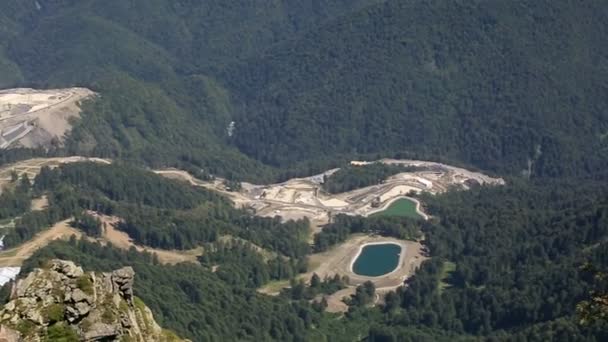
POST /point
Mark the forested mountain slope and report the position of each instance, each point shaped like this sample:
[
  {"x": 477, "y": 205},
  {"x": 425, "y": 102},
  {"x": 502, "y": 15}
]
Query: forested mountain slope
[
  {"x": 153, "y": 62},
  {"x": 492, "y": 83},
  {"x": 198, "y": 35},
  {"x": 10, "y": 74},
  {"x": 505, "y": 86}
]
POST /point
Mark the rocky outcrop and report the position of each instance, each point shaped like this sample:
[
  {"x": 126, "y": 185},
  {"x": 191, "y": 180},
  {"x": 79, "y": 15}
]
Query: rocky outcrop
[
  {"x": 122, "y": 280},
  {"x": 63, "y": 300}
]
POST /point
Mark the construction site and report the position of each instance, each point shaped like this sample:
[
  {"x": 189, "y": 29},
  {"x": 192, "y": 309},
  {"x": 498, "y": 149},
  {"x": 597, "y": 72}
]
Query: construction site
[
  {"x": 294, "y": 199},
  {"x": 305, "y": 198},
  {"x": 38, "y": 118}
]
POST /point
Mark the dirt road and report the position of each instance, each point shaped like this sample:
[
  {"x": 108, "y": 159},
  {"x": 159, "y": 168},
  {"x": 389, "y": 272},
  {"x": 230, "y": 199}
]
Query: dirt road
[
  {"x": 16, "y": 256},
  {"x": 122, "y": 240}
]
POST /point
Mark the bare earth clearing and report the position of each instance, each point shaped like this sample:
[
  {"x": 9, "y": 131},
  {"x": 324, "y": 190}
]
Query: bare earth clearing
[
  {"x": 33, "y": 118},
  {"x": 39, "y": 204},
  {"x": 122, "y": 240},
  {"x": 16, "y": 256},
  {"x": 62, "y": 230},
  {"x": 339, "y": 261}
]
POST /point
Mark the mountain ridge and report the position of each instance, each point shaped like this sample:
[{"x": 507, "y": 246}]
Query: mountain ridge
[{"x": 62, "y": 302}]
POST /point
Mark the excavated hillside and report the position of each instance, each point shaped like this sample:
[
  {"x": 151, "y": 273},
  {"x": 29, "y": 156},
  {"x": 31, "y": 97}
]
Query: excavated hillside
[
  {"x": 62, "y": 302},
  {"x": 38, "y": 118}
]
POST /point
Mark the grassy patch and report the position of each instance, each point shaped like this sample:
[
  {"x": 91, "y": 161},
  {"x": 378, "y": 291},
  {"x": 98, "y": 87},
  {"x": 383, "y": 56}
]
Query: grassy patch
[
  {"x": 123, "y": 306},
  {"x": 85, "y": 283},
  {"x": 274, "y": 286},
  {"x": 446, "y": 271},
  {"x": 108, "y": 316},
  {"x": 127, "y": 338},
  {"x": 86, "y": 324},
  {"x": 170, "y": 336},
  {"x": 61, "y": 332},
  {"x": 54, "y": 312},
  {"x": 139, "y": 304},
  {"x": 141, "y": 307},
  {"x": 313, "y": 265},
  {"x": 401, "y": 207},
  {"x": 26, "y": 328}
]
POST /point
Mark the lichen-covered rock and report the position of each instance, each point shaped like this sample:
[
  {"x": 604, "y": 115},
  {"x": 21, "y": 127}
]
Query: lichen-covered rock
[
  {"x": 77, "y": 295},
  {"x": 67, "y": 268},
  {"x": 62, "y": 298},
  {"x": 101, "y": 331}
]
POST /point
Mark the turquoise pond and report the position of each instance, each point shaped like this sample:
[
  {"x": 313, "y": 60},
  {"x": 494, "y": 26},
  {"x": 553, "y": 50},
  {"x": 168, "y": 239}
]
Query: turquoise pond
[{"x": 377, "y": 260}]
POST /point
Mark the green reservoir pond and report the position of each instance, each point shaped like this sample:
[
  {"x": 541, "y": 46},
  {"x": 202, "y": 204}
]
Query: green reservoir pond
[
  {"x": 401, "y": 207},
  {"x": 377, "y": 260}
]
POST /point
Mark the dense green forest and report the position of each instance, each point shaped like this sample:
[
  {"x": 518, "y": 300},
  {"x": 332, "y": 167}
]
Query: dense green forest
[
  {"x": 517, "y": 254},
  {"x": 484, "y": 83},
  {"x": 16, "y": 199},
  {"x": 161, "y": 213},
  {"x": 161, "y": 103},
  {"x": 491, "y": 83},
  {"x": 344, "y": 226},
  {"x": 351, "y": 177}
]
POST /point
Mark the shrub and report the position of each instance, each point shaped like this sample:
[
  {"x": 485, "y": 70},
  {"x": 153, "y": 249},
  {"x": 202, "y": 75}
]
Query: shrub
[
  {"x": 54, "y": 313},
  {"x": 61, "y": 332},
  {"x": 85, "y": 283}
]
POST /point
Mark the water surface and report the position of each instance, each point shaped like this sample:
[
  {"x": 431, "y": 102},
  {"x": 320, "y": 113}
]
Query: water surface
[
  {"x": 401, "y": 207},
  {"x": 377, "y": 260}
]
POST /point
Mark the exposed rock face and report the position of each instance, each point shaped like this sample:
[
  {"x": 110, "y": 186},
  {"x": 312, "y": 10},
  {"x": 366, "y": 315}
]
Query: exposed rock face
[
  {"x": 122, "y": 280},
  {"x": 67, "y": 268},
  {"x": 63, "y": 299}
]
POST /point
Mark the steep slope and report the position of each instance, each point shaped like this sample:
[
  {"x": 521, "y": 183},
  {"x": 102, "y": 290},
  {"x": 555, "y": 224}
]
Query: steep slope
[
  {"x": 10, "y": 72},
  {"x": 193, "y": 300},
  {"x": 62, "y": 302},
  {"x": 510, "y": 87},
  {"x": 495, "y": 84},
  {"x": 190, "y": 36},
  {"x": 154, "y": 63},
  {"x": 33, "y": 118}
]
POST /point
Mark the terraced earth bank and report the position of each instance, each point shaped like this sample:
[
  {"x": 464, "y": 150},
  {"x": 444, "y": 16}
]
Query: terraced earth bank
[{"x": 38, "y": 118}]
